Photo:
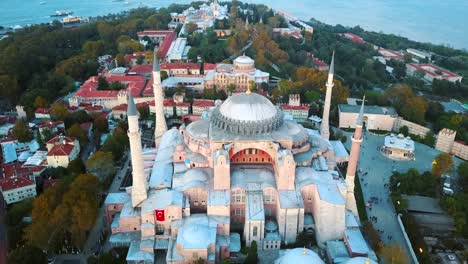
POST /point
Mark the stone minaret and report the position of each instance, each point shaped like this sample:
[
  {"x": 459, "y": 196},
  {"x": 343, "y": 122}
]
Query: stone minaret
[
  {"x": 356, "y": 141},
  {"x": 325, "y": 127},
  {"x": 161, "y": 126},
  {"x": 140, "y": 185}
]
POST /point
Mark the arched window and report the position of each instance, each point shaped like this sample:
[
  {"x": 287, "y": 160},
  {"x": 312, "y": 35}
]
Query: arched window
[{"x": 255, "y": 231}]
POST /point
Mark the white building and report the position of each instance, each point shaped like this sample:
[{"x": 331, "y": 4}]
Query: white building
[
  {"x": 62, "y": 150},
  {"x": 432, "y": 72},
  {"x": 204, "y": 17},
  {"x": 375, "y": 117},
  {"x": 17, "y": 189},
  {"x": 398, "y": 147}
]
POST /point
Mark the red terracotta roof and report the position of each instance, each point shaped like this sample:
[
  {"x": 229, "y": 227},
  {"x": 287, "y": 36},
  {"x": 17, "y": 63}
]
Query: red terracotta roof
[
  {"x": 169, "y": 102},
  {"x": 50, "y": 182},
  {"x": 134, "y": 84},
  {"x": 42, "y": 111},
  {"x": 293, "y": 107},
  {"x": 202, "y": 103},
  {"x": 182, "y": 104},
  {"x": 61, "y": 150},
  {"x": 166, "y": 44},
  {"x": 145, "y": 69},
  {"x": 51, "y": 124},
  {"x": 56, "y": 140},
  {"x": 432, "y": 67},
  {"x": 353, "y": 37},
  {"x": 387, "y": 53},
  {"x": 94, "y": 108},
  {"x": 14, "y": 183},
  {"x": 319, "y": 63}
]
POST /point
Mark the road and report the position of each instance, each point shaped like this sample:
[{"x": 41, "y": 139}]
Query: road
[
  {"x": 376, "y": 172},
  {"x": 92, "y": 243}
]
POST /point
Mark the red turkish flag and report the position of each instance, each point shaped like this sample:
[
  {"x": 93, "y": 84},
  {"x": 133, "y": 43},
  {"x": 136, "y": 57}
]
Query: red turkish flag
[{"x": 159, "y": 215}]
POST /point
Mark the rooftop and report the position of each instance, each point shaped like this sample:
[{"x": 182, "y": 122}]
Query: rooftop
[
  {"x": 399, "y": 142},
  {"x": 368, "y": 109},
  {"x": 356, "y": 242},
  {"x": 9, "y": 184}
]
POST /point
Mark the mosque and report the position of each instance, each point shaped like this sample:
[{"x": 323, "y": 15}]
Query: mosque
[{"x": 241, "y": 173}]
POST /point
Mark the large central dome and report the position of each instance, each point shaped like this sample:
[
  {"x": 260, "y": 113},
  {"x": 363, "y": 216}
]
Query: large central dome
[
  {"x": 247, "y": 114},
  {"x": 248, "y": 107}
]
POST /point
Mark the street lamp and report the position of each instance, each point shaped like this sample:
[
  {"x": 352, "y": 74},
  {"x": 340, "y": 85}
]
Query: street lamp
[
  {"x": 420, "y": 250},
  {"x": 398, "y": 202}
]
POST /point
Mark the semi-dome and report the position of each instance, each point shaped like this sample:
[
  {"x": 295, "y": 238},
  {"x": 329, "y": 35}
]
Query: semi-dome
[
  {"x": 299, "y": 256},
  {"x": 248, "y": 107},
  {"x": 247, "y": 114}
]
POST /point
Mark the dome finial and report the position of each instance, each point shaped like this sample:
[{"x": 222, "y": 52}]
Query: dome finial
[
  {"x": 248, "y": 90},
  {"x": 304, "y": 252}
]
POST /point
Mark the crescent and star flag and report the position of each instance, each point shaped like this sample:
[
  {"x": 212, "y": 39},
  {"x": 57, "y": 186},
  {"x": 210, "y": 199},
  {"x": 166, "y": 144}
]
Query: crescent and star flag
[{"x": 159, "y": 215}]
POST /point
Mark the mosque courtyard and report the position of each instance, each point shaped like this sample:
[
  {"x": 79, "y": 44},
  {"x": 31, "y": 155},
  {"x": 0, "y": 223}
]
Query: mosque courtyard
[{"x": 375, "y": 170}]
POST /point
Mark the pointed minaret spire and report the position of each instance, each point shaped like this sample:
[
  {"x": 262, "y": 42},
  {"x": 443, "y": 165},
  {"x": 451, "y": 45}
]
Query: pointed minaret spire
[
  {"x": 247, "y": 22},
  {"x": 161, "y": 126},
  {"x": 140, "y": 185},
  {"x": 356, "y": 141},
  {"x": 325, "y": 127}
]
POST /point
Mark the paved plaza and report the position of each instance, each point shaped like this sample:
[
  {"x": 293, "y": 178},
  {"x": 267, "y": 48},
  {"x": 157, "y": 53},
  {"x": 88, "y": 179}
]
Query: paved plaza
[{"x": 376, "y": 172}]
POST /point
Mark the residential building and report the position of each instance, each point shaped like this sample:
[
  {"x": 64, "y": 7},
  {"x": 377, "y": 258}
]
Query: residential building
[
  {"x": 62, "y": 150},
  {"x": 178, "y": 50},
  {"x": 17, "y": 189}
]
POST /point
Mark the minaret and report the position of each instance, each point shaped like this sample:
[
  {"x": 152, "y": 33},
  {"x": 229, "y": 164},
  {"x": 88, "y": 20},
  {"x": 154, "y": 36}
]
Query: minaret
[
  {"x": 161, "y": 125},
  {"x": 325, "y": 127},
  {"x": 356, "y": 141},
  {"x": 140, "y": 185},
  {"x": 247, "y": 22}
]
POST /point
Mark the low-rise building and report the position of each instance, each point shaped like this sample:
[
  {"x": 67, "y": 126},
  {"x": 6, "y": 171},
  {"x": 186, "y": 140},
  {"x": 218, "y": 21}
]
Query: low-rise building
[
  {"x": 388, "y": 54},
  {"x": 398, "y": 147},
  {"x": 299, "y": 112},
  {"x": 62, "y": 150},
  {"x": 185, "y": 68},
  {"x": 375, "y": 117},
  {"x": 178, "y": 50},
  {"x": 352, "y": 37},
  {"x": 432, "y": 72},
  {"x": 17, "y": 189},
  {"x": 420, "y": 54},
  {"x": 42, "y": 113},
  {"x": 200, "y": 105},
  {"x": 162, "y": 38},
  {"x": 52, "y": 127},
  {"x": 288, "y": 32}
]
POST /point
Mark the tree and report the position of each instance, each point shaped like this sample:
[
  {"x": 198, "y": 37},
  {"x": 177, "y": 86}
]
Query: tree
[
  {"x": 9, "y": 86},
  {"x": 372, "y": 235},
  {"x": 463, "y": 175},
  {"x": 394, "y": 254},
  {"x": 26, "y": 255},
  {"x": 40, "y": 102},
  {"x": 120, "y": 60},
  {"x": 429, "y": 139},
  {"x": 59, "y": 111},
  {"x": 21, "y": 131},
  {"x": 190, "y": 28},
  {"x": 252, "y": 256},
  {"x": 101, "y": 164},
  {"x": 101, "y": 125},
  {"x": 76, "y": 167},
  {"x": 76, "y": 132},
  {"x": 442, "y": 164},
  {"x": 93, "y": 49},
  {"x": 103, "y": 84},
  {"x": 404, "y": 130}
]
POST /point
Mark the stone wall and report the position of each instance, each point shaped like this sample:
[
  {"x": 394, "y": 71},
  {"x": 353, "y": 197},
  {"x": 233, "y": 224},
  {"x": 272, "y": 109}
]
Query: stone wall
[
  {"x": 460, "y": 150},
  {"x": 413, "y": 128}
]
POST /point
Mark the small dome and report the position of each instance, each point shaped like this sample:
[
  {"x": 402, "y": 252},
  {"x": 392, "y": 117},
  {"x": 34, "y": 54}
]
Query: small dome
[
  {"x": 244, "y": 60},
  {"x": 299, "y": 256},
  {"x": 248, "y": 107}
]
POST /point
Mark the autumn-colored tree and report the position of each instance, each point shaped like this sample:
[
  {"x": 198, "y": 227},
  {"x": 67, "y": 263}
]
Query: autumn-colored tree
[
  {"x": 76, "y": 167},
  {"x": 120, "y": 60},
  {"x": 59, "y": 111},
  {"x": 93, "y": 48},
  {"x": 101, "y": 164},
  {"x": 101, "y": 125},
  {"x": 40, "y": 102},
  {"x": 442, "y": 164},
  {"x": 42, "y": 232},
  {"x": 21, "y": 131},
  {"x": 394, "y": 254},
  {"x": 76, "y": 132}
]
